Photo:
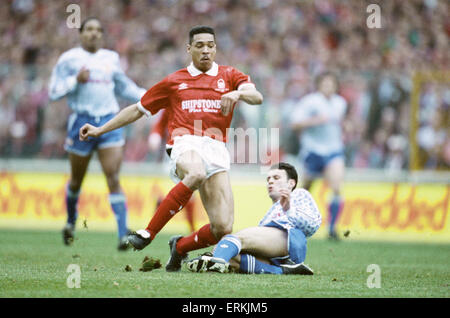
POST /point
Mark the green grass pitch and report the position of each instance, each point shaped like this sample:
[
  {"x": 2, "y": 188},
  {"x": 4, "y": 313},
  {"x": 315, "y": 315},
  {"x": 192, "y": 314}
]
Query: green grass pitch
[{"x": 34, "y": 264}]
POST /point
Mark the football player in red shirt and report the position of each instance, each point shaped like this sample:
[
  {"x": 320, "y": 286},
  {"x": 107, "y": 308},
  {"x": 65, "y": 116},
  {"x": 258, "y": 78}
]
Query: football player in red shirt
[{"x": 200, "y": 100}]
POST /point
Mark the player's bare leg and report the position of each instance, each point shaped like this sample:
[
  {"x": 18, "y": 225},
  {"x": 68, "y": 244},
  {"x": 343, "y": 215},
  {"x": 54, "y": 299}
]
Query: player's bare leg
[
  {"x": 217, "y": 199},
  {"x": 218, "y": 202},
  {"x": 111, "y": 159},
  {"x": 334, "y": 175},
  {"x": 191, "y": 169},
  {"x": 264, "y": 242},
  {"x": 78, "y": 168},
  {"x": 260, "y": 244}
]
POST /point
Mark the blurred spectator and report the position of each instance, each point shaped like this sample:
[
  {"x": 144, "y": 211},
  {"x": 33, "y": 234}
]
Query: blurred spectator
[
  {"x": 432, "y": 138},
  {"x": 283, "y": 44},
  {"x": 396, "y": 158}
]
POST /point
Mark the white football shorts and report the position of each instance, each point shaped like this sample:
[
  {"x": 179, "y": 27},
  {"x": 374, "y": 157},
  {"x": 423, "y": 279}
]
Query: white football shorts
[{"x": 214, "y": 154}]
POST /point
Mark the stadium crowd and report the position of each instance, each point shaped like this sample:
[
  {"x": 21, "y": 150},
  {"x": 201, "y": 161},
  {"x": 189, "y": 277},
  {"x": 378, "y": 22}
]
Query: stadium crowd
[{"x": 282, "y": 44}]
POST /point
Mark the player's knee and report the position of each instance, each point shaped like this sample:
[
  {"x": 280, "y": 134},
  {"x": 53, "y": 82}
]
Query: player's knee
[
  {"x": 246, "y": 240},
  {"x": 113, "y": 182},
  {"x": 74, "y": 185},
  {"x": 222, "y": 229},
  {"x": 194, "y": 179}
]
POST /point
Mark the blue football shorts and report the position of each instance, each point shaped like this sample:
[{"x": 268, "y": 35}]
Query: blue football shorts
[
  {"x": 74, "y": 145},
  {"x": 315, "y": 164}
]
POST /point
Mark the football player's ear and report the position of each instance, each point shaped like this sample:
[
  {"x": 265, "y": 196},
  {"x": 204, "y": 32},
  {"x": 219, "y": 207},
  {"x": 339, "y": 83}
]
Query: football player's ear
[
  {"x": 291, "y": 184},
  {"x": 188, "y": 48}
]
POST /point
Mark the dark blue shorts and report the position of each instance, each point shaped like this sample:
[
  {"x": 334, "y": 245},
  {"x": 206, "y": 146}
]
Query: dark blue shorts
[
  {"x": 315, "y": 164},
  {"x": 73, "y": 144}
]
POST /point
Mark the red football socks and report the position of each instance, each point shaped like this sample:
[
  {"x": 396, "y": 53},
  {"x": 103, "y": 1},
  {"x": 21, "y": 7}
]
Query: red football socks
[
  {"x": 200, "y": 239},
  {"x": 175, "y": 200}
]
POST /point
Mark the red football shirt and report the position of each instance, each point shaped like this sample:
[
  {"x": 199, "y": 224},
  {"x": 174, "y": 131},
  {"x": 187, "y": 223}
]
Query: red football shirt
[
  {"x": 192, "y": 100},
  {"x": 160, "y": 127}
]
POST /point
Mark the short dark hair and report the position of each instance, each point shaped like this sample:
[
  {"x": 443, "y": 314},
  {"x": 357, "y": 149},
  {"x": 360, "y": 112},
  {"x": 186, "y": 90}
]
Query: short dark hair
[
  {"x": 200, "y": 29},
  {"x": 86, "y": 21},
  {"x": 290, "y": 171}
]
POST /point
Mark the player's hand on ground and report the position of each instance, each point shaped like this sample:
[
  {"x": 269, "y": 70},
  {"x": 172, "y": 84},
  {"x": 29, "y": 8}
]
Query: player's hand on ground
[
  {"x": 88, "y": 131},
  {"x": 285, "y": 199},
  {"x": 227, "y": 102},
  {"x": 83, "y": 75}
]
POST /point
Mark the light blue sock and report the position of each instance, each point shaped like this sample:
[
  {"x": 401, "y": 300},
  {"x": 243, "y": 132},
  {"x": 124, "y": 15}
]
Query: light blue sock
[
  {"x": 71, "y": 205},
  {"x": 119, "y": 207},
  {"x": 227, "y": 248},
  {"x": 250, "y": 265}
]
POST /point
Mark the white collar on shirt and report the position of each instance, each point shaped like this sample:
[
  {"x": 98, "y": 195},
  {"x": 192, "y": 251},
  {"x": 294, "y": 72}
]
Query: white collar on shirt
[{"x": 213, "y": 71}]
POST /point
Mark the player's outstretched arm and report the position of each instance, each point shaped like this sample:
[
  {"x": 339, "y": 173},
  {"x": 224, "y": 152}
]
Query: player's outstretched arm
[{"x": 126, "y": 116}]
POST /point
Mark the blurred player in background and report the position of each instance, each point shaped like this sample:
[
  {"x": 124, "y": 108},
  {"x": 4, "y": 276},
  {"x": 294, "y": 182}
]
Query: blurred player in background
[
  {"x": 91, "y": 77},
  {"x": 200, "y": 100},
  {"x": 317, "y": 117},
  {"x": 278, "y": 244},
  {"x": 158, "y": 135}
]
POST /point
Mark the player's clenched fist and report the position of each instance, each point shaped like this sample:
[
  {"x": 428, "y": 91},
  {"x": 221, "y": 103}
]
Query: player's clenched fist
[
  {"x": 227, "y": 102},
  {"x": 88, "y": 131}
]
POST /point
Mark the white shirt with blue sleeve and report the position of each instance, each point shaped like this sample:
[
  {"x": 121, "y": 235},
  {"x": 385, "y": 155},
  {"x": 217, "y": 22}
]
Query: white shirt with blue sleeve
[
  {"x": 303, "y": 213},
  {"x": 96, "y": 97}
]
